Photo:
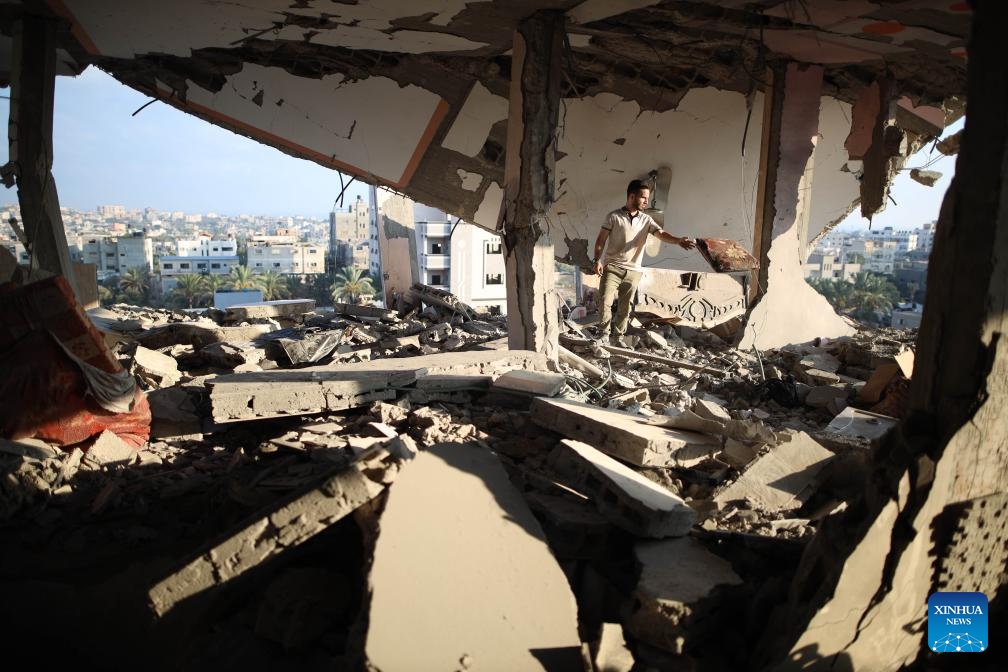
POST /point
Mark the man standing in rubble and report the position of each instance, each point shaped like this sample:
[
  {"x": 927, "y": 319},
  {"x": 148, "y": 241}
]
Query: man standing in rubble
[{"x": 623, "y": 236}]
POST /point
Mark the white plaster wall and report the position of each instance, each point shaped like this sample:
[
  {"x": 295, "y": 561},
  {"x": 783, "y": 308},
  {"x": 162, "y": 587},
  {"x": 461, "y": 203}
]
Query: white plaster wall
[
  {"x": 372, "y": 124},
  {"x": 176, "y": 27},
  {"x": 481, "y": 110},
  {"x": 470, "y": 265},
  {"x": 834, "y": 192},
  {"x": 713, "y": 191}
]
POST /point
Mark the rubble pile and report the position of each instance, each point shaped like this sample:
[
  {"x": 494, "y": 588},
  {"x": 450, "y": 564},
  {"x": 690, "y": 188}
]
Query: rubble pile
[{"x": 329, "y": 489}]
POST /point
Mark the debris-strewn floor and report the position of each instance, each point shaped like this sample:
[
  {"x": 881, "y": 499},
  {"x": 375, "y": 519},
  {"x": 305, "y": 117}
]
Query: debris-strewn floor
[{"x": 676, "y": 483}]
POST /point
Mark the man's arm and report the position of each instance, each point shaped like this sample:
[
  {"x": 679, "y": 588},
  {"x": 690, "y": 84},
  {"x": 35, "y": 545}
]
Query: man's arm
[
  {"x": 603, "y": 236},
  {"x": 683, "y": 242}
]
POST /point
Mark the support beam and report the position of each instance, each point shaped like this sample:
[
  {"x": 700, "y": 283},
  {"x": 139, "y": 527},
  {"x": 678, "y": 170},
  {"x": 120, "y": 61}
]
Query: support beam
[
  {"x": 533, "y": 322},
  {"x": 31, "y": 153},
  {"x": 788, "y": 309}
]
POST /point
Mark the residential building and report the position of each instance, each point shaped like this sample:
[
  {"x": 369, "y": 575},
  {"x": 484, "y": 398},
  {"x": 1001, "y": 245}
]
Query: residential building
[
  {"x": 461, "y": 258},
  {"x": 907, "y": 316},
  {"x": 282, "y": 254},
  {"x": 176, "y": 265},
  {"x": 117, "y": 254},
  {"x": 205, "y": 246},
  {"x": 830, "y": 266}
]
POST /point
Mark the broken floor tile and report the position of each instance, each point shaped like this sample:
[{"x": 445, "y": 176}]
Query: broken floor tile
[
  {"x": 500, "y": 599},
  {"x": 854, "y": 422}
]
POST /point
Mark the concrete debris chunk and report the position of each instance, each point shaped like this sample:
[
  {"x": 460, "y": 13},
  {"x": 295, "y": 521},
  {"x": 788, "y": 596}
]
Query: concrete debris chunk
[
  {"x": 623, "y": 435},
  {"x": 612, "y": 654},
  {"x": 199, "y": 334},
  {"x": 272, "y": 532},
  {"x": 232, "y": 354},
  {"x": 781, "y": 479},
  {"x": 855, "y": 422},
  {"x": 109, "y": 449},
  {"x": 822, "y": 361},
  {"x": 677, "y": 606},
  {"x": 626, "y": 498},
  {"x": 711, "y": 410},
  {"x": 284, "y": 308},
  {"x": 154, "y": 368},
  {"x": 364, "y": 311},
  {"x": 822, "y": 395},
  {"x": 489, "y": 567},
  {"x": 688, "y": 420},
  {"x": 540, "y": 383},
  {"x": 574, "y": 527},
  {"x": 738, "y": 454}
]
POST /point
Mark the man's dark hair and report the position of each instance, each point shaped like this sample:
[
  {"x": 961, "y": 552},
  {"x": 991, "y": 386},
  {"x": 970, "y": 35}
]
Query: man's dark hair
[{"x": 635, "y": 186}]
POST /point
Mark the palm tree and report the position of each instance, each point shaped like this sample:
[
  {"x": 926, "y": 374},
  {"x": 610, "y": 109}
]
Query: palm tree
[
  {"x": 837, "y": 292},
  {"x": 212, "y": 283},
  {"x": 134, "y": 281},
  {"x": 242, "y": 278},
  {"x": 273, "y": 285},
  {"x": 296, "y": 287},
  {"x": 872, "y": 294},
  {"x": 189, "y": 290},
  {"x": 350, "y": 285}
]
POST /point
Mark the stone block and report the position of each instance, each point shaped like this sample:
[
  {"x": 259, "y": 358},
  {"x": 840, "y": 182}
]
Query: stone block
[
  {"x": 284, "y": 308},
  {"x": 822, "y": 395},
  {"x": 155, "y": 368},
  {"x": 627, "y": 499}
]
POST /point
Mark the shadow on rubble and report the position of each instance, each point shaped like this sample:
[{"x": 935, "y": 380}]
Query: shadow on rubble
[{"x": 79, "y": 562}]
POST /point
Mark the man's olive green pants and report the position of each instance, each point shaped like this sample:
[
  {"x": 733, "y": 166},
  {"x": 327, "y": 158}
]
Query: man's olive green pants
[{"x": 621, "y": 282}]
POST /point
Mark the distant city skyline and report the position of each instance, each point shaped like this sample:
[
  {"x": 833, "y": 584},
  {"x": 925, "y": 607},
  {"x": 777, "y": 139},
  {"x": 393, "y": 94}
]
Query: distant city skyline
[{"x": 165, "y": 159}]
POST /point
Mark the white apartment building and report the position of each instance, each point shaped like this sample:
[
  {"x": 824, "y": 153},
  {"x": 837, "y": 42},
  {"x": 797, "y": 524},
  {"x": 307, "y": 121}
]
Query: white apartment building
[
  {"x": 905, "y": 240},
  {"x": 461, "y": 258},
  {"x": 117, "y": 254},
  {"x": 175, "y": 265},
  {"x": 287, "y": 257},
  {"x": 879, "y": 256},
  {"x": 205, "y": 246},
  {"x": 350, "y": 225},
  {"x": 830, "y": 266}
]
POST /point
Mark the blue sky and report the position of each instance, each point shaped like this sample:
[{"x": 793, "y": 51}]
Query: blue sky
[{"x": 169, "y": 160}]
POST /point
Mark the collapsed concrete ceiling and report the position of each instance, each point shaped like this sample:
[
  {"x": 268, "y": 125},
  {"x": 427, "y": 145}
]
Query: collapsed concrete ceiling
[{"x": 413, "y": 94}]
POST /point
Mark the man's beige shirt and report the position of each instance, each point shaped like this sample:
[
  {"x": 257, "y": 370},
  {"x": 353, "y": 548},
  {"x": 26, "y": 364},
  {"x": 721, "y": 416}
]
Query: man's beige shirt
[{"x": 627, "y": 238}]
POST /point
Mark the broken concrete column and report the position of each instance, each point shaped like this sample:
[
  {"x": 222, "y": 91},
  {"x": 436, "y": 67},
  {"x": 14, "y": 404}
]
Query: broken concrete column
[
  {"x": 626, "y": 498},
  {"x": 483, "y": 592},
  {"x": 788, "y": 309},
  {"x": 536, "y": 78},
  {"x": 33, "y": 81}
]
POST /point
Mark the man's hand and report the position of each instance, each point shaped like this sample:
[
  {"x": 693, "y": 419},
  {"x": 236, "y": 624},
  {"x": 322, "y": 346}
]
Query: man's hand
[
  {"x": 598, "y": 267},
  {"x": 686, "y": 243}
]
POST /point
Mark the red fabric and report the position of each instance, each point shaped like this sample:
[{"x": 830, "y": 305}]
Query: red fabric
[{"x": 43, "y": 395}]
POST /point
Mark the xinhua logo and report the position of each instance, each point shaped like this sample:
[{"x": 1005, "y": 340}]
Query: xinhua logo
[{"x": 957, "y": 622}]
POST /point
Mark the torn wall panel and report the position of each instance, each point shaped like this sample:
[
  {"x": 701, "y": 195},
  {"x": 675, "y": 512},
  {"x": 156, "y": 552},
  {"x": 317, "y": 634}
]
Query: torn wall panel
[
  {"x": 835, "y": 190},
  {"x": 372, "y": 125}
]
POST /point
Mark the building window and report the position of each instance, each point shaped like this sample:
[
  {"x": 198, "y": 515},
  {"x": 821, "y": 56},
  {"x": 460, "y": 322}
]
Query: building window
[
  {"x": 435, "y": 248},
  {"x": 215, "y": 249},
  {"x": 435, "y": 279},
  {"x": 185, "y": 265},
  {"x": 258, "y": 264},
  {"x": 312, "y": 250},
  {"x": 493, "y": 247},
  {"x": 276, "y": 264},
  {"x": 494, "y": 279},
  {"x": 214, "y": 265},
  {"x": 167, "y": 267}
]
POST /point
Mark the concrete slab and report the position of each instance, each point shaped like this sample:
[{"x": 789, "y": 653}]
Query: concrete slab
[
  {"x": 282, "y": 308},
  {"x": 462, "y": 577},
  {"x": 541, "y": 383},
  {"x": 623, "y": 435},
  {"x": 677, "y": 577},
  {"x": 265, "y": 394},
  {"x": 626, "y": 498},
  {"x": 780, "y": 479},
  {"x": 274, "y": 531}
]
